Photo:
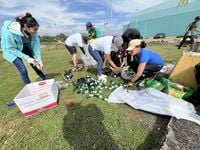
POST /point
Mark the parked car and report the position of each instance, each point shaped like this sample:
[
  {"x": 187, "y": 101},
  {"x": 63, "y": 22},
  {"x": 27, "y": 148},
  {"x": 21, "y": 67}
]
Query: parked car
[{"x": 159, "y": 36}]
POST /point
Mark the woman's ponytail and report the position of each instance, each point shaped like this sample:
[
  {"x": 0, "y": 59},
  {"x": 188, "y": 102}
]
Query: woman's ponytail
[
  {"x": 143, "y": 44},
  {"x": 26, "y": 18}
]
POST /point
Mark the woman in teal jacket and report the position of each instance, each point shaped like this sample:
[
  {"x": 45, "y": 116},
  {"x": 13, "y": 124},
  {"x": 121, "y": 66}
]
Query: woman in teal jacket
[{"x": 19, "y": 40}]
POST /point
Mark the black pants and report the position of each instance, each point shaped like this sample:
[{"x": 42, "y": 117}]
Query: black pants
[
  {"x": 29, "y": 52},
  {"x": 184, "y": 39},
  {"x": 71, "y": 49},
  {"x": 149, "y": 70}
]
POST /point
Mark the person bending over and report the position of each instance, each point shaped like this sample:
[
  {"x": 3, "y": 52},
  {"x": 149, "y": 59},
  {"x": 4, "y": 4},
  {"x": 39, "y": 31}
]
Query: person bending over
[
  {"x": 105, "y": 45},
  {"x": 146, "y": 61},
  {"x": 71, "y": 42},
  {"x": 19, "y": 41}
]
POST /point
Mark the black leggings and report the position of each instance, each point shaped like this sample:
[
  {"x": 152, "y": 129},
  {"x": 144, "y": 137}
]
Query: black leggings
[
  {"x": 184, "y": 39},
  {"x": 149, "y": 70},
  {"x": 29, "y": 52}
]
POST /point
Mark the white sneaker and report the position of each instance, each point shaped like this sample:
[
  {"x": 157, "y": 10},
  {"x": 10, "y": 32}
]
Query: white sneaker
[
  {"x": 102, "y": 75},
  {"x": 105, "y": 76},
  {"x": 102, "y": 78}
]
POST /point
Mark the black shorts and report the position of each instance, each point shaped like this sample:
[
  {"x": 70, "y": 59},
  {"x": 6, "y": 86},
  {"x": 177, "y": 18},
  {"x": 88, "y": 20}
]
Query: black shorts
[{"x": 71, "y": 49}]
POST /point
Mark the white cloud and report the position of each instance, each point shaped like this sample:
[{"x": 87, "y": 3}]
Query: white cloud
[
  {"x": 99, "y": 13},
  {"x": 45, "y": 11},
  {"x": 51, "y": 12},
  {"x": 84, "y": 1},
  {"x": 48, "y": 13}
]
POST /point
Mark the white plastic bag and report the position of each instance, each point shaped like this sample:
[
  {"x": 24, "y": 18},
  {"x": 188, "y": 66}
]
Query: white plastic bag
[
  {"x": 154, "y": 101},
  {"x": 87, "y": 59},
  {"x": 167, "y": 69},
  {"x": 127, "y": 73}
]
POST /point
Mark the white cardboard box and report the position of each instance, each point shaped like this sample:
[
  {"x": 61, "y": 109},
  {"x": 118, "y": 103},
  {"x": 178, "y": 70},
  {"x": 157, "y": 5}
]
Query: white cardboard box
[{"x": 37, "y": 97}]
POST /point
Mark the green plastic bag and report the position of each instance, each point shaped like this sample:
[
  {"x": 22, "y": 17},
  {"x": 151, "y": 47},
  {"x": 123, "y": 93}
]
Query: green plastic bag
[
  {"x": 167, "y": 86},
  {"x": 176, "y": 90},
  {"x": 152, "y": 83}
]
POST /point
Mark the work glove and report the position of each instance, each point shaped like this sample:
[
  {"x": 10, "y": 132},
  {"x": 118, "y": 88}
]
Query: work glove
[
  {"x": 32, "y": 61},
  {"x": 39, "y": 65}
]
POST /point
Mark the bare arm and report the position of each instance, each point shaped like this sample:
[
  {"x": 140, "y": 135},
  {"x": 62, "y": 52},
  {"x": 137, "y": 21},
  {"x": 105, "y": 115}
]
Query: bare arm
[
  {"x": 111, "y": 64},
  {"x": 140, "y": 70}
]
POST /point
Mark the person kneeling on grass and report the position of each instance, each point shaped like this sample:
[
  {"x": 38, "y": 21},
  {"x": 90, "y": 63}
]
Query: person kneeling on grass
[
  {"x": 19, "y": 40},
  {"x": 105, "y": 44},
  {"x": 75, "y": 40},
  {"x": 146, "y": 62}
]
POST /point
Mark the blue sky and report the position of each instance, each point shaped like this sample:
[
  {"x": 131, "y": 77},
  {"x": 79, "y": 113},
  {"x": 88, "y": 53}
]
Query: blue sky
[{"x": 69, "y": 16}]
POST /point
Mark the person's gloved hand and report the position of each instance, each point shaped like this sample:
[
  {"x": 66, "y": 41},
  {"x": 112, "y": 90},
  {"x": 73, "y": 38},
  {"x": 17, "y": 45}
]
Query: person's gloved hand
[
  {"x": 32, "y": 61},
  {"x": 40, "y": 65}
]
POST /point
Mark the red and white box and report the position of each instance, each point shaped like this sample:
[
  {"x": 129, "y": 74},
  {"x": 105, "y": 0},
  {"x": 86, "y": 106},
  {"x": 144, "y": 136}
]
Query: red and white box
[{"x": 37, "y": 97}]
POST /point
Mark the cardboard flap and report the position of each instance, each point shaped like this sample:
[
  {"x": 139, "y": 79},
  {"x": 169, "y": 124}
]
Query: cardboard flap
[{"x": 184, "y": 71}]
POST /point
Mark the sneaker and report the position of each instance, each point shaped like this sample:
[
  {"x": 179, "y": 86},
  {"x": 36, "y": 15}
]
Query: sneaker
[
  {"x": 102, "y": 79},
  {"x": 74, "y": 69},
  {"x": 105, "y": 76},
  {"x": 80, "y": 67},
  {"x": 77, "y": 68}
]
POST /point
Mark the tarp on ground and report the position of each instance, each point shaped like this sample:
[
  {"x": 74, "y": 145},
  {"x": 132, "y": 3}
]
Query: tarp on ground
[{"x": 156, "y": 102}]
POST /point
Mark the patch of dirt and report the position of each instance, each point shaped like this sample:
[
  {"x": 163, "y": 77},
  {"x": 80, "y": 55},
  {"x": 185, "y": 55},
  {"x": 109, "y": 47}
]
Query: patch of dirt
[{"x": 182, "y": 135}]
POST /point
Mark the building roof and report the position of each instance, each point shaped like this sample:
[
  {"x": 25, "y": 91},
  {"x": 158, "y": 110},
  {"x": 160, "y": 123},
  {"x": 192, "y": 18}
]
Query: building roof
[{"x": 166, "y": 8}]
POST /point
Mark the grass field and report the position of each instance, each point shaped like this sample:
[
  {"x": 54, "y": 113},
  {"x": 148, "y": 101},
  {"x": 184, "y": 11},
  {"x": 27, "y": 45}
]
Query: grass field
[{"x": 91, "y": 124}]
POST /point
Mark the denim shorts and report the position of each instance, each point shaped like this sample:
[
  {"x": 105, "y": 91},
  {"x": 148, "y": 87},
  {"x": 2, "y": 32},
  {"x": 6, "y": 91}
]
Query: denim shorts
[{"x": 71, "y": 49}]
